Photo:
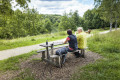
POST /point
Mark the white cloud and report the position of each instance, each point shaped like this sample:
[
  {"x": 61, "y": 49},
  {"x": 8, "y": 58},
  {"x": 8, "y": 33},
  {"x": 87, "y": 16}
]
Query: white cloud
[{"x": 59, "y": 7}]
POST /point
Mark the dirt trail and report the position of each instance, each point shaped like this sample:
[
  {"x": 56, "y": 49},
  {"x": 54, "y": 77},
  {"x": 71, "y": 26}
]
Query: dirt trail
[{"x": 43, "y": 71}]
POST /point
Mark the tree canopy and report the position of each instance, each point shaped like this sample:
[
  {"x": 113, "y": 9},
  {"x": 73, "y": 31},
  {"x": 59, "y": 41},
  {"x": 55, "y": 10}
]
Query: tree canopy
[
  {"x": 6, "y": 5},
  {"x": 109, "y": 10},
  {"x": 29, "y": 22}
]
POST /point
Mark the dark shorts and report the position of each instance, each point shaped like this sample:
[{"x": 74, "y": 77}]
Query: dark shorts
[{"x": 69, "y": 50}]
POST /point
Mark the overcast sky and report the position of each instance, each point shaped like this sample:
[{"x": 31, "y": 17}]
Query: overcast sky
[{"x": 61, "y": 6}]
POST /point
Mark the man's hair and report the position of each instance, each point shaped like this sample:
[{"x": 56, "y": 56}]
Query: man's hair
[
  {"x": 80, "y": 28},
  {"x": 69, "y": 32}
]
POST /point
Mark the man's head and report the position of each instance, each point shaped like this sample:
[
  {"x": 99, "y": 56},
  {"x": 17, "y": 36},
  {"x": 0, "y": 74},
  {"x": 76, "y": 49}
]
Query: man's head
[
  {"x": 80, "y": 29},
  {"x": 69, "y": 32},
  {"x": 89, "y": 30}
]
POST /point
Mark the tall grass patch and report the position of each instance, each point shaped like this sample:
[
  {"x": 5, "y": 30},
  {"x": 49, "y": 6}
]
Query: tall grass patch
[{"x": 109, "y": 42}]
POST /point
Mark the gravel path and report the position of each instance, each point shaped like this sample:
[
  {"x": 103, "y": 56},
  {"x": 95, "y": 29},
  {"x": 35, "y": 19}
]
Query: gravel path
[{"x": 22, "y": 50}]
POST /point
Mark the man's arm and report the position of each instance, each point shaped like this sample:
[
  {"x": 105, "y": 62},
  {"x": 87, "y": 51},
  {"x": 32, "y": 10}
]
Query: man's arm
[
  {"x": 76, "y": 32},
  {"x": 66, "y": 40},
  {"x": 78, "y": 37}
]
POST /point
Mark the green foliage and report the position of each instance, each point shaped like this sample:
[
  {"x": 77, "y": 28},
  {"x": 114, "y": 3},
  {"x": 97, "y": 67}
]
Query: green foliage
[
  {"x": 107, "y": 68},
  {"x": 69, "y": 21},
  {"x": 109, "y": 10},
  {"x": 92, "y": 20},
  {"x": 6, "y": 6},
  {"x": 28, "y": 22}
]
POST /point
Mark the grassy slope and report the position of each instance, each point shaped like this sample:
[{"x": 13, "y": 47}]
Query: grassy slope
[
  {"x": 108, "y": 68},
  {"x": 31, "y": 40},
  {"x": 97, "y": 31}
]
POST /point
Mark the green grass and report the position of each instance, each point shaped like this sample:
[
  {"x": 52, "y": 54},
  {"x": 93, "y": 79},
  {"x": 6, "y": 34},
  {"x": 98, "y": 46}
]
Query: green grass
[
  {"x": 107, "y": 68},
  {"x": 12, "y": 63},
  {"x": 30, "y": 40},
  {"x": 107, "y": 45},
  {"x": 96, "y": 31},
  {"x": 25, "y": 75}
]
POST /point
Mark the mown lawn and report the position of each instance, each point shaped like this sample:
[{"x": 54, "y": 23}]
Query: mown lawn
[
  {"x": 30, "y": 40},
  {"x": 108, "y": 68}
]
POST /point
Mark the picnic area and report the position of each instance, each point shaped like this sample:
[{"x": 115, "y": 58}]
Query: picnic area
[{"x": 59, "y": 40}]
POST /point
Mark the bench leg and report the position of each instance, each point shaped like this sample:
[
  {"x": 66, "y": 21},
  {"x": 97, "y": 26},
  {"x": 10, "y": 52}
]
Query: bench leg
[
  {"x": 83, "y": 53},
  {"x": 58, "y": 61},
  {"x": 43, "y": 55}
]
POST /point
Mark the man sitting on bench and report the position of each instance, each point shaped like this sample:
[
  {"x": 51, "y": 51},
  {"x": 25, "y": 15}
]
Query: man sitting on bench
[
  {"x": 72, "y": 40},
  {"x": 81, "y": 39}
]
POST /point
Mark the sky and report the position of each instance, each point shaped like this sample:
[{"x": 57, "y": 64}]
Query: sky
[{"x": 61, "y": 6}]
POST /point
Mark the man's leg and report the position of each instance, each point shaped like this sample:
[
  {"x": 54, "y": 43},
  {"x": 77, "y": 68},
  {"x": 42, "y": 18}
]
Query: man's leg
[{"x": 64, "y": 56}]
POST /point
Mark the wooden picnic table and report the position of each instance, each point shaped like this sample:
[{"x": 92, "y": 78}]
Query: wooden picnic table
[
  {"x": 47, "y": 49},
  {"x": 51, "y": 57}
]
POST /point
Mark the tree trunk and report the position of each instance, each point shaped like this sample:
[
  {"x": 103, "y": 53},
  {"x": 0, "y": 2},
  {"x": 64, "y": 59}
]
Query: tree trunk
[
  {"x": 4, "y": 20},
  {"x": 116, "y": 24},
  {"x": 111, "y": 21},
  {"x": 110, "y": 26}
]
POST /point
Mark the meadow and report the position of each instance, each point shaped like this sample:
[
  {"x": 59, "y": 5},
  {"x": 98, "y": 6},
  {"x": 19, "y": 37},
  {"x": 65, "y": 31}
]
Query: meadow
[
  {"x": 107, "y": 68},
  {"x": 30, "y": 40}
]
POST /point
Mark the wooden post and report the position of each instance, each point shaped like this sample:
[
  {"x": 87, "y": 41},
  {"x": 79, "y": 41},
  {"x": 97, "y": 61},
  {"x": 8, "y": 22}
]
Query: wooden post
[
  {"x": 52, "y": 49},
  {"x": 58, "y": 61},
  {"x": 52, "y": 52},
  {"x": 82, "y": 52},
  {"x": 48, "y": 56},
  {"x": 43, "y": 55}
]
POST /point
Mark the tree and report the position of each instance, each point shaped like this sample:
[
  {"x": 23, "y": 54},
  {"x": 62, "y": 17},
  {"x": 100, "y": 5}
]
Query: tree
[
  {"x": 92, "y": 20},
  {"x": 6, "y": 5},
  {"x": 75, "y": 18},
  {"x": 109, "y": 9},
  {"x": 69, "y": 21},
  {"x": 64, "y": 22}
]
